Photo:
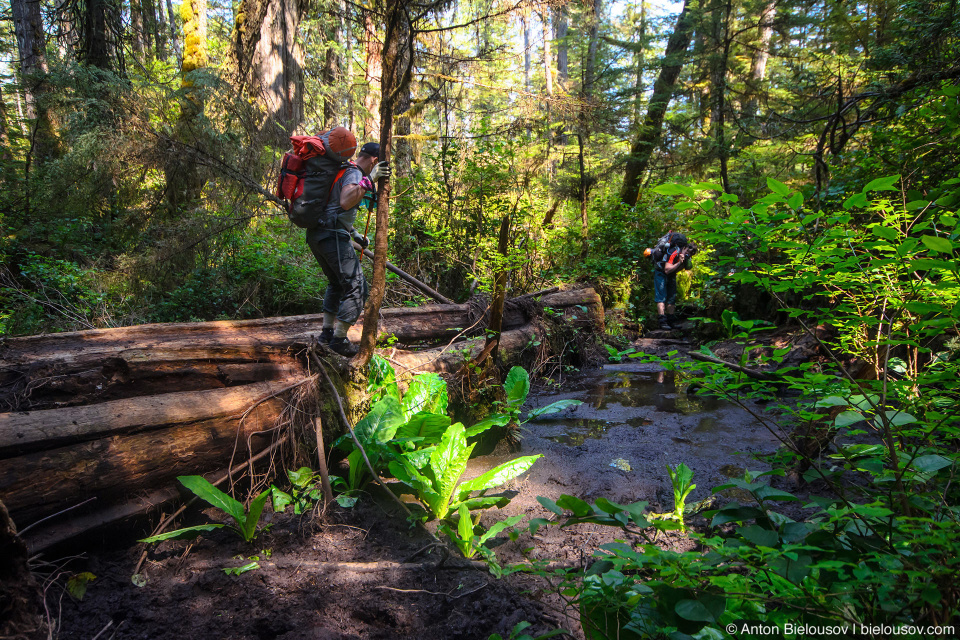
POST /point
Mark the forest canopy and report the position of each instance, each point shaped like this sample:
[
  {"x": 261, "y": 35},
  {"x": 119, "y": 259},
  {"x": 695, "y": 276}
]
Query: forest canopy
[{"x": 137, "y": 139}]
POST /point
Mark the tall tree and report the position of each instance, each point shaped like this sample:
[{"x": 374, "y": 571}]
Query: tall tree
[
  {"x": 758, "y": 63},
  {"x": 268, "y": 60},
  {"x": 31, "y": 44},
  {"x": 648, "y": 137}
]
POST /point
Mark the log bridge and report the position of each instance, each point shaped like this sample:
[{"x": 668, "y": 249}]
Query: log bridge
[{"x": 98, "y": 424}]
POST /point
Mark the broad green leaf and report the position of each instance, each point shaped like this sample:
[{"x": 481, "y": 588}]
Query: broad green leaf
[
  {"x": 381, "y": 424},
  {"x": 77, "y": 585},
  {"x": 485, "y": 502},
  {"x": 429, "y": 426},
  {"x": 674, "y": 190},
  {"x": 498, "y": 527},
  {"x": 554, "y": 407},
  {"x": 856, "y": 200},
  {"x": 550, "y": 505},
  {"x": 448, "y": 462},
  {"x": 427, "y": 392},
  {"x": 187, "y": 533},
  {"x": 206, "y": 491},
  {"x": 926, "y": 307},
  {"x": 236, "y": 571},
  {"x": 301, "y": 477},
  {"x": 759, "y": 536},
  {"x": 685, "y": 206},
  {"x": 707, "y": 608},
  {"x": 796, "y": 200},
  {"x": 847, "y": 418},
  {"x": 382, "y": 376},
  {"x": 778, "y": 187},
  {"x": 925, "y": 264},
  {"x": 249, "y": 524},
  {"x": 465, "y": 525},
  {"x": 793, "y": 570},
  {"x": 887, "y": 233},
  {"x": 882, "y": 184},
  {"x": 707, "y": 186},
  {"x": 931, "y": 463},
  {"x": 496, "y": 420},
  {"x": 938, "y": 244},
  {"x": 578, "y": 506},
  {"x": 517, "y": 386},
  {"x": 832, "y": 401},
  {"x": 281, "y": 499},
  {"x": 896, "y": 418},
  {"x": 498, "y": 475}
]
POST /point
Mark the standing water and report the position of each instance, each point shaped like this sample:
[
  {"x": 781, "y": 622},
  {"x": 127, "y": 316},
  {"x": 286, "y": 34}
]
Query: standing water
[{"x": 634, "y": 421}]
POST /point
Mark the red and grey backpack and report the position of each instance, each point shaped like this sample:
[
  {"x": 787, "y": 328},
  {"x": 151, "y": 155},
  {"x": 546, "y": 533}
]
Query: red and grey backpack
[{"x": 307, "y": 176}]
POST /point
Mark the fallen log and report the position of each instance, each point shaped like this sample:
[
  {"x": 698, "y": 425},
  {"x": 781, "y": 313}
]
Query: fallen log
[
  {"x": 29, "y": 431},
  {"x": 47, "y": 371},
  {"x": 115, "y": 415},
  {"x": 113, "y": 468}
]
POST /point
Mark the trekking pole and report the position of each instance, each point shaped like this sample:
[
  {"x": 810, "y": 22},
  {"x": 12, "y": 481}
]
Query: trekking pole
[{"x": 365, "y": 230}]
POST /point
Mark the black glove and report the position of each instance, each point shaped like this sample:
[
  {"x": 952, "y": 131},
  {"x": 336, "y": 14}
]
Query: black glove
[{"x": 361, "y": 240}]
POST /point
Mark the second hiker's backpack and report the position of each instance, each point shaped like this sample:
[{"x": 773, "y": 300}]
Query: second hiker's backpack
[
  {"x": 664, "y": 246},
  {"x": 307, "y": 176}
]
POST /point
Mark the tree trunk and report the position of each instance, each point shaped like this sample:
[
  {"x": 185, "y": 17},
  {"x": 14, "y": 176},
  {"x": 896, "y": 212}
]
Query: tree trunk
[
  {"x": 560, "y": 32},
  {"x": 31, "y": 43},
  {"x": 184, "y": 180},
  {"x": 137, "y": 31},
  {"x": 174, "y": 42},
  {"x": 547, "y": 75},
  {"x": 25, "y": 432},
  {"x": 98, "y": 45},
  {"x": 372, "y": 78},
  {"x": 394, "y": 80},
  {"x": 639, "y": 61},
  {"x": 499, "y": 292},
  {"x": 268, "y": 58},
  {"x": 332, "y": 77},
  {"x": 649, "y": 135},
  {"x": 758, "y": 66}
]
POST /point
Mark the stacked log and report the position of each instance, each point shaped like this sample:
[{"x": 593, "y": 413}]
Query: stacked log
[{"x": 115, "y": 415}]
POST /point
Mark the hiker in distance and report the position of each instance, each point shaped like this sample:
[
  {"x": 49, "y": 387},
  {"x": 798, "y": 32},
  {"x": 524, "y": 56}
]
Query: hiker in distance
[
  {"x": 333, "y": 188},
  {"x": 672, "y": 253}
]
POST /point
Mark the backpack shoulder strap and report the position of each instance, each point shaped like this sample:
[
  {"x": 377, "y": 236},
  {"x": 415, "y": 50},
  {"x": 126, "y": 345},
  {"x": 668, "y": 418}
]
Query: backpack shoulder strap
[{"x": 343, "y": 170}]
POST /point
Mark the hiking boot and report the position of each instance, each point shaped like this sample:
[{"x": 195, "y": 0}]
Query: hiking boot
[
  {"x": 326, "y": 335},
  {"x": 344, "y": 347},
  {"x": 662, "y": 323}
]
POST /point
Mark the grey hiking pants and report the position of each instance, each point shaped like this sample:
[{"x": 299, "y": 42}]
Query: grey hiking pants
[{"x": 347, "y": 288}]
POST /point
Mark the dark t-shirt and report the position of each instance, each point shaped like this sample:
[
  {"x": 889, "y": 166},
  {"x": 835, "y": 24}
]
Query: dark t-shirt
[{"x": 345, "y": 218}]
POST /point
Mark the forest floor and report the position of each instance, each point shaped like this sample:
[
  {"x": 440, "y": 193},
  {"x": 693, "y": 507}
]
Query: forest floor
[{"x": 364, "y": 573}]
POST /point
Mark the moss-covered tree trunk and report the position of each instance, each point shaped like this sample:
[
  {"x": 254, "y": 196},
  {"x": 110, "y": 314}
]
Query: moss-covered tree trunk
[{"x": 184, "y": 180}]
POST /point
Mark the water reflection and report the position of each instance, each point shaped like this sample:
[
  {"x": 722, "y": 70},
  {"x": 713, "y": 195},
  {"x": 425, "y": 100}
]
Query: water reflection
[
  {"x": 577, "y": 431},
  {"x": 663, "y": 390}
]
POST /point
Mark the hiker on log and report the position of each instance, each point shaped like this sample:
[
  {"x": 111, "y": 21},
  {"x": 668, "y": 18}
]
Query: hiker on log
[
  {"x": 333, "y": 188},
  {"x": 672, "y": 253}
]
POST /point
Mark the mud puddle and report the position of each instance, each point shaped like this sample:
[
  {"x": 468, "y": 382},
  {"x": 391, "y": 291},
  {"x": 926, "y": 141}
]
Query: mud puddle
[{"x": 635, "y": 420}]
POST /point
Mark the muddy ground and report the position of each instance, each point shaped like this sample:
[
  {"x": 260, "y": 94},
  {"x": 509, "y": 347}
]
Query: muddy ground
[{"x": 364, "y": 573}]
